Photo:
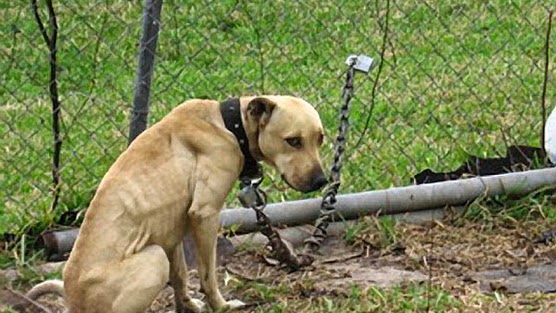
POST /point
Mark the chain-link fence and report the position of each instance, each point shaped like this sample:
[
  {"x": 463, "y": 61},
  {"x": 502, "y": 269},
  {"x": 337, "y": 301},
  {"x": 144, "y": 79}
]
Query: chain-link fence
[{"x": 457, "y": 78}]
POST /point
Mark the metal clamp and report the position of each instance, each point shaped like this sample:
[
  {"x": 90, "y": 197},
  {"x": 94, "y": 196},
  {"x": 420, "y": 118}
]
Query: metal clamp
[{"x": 250, "y": 195}]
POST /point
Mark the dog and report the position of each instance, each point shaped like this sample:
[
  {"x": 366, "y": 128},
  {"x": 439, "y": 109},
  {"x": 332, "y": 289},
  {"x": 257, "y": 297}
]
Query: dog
[{"x": 173, "y": 179}]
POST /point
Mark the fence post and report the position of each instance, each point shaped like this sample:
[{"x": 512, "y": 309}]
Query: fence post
[{"x": 145, "y": 67}]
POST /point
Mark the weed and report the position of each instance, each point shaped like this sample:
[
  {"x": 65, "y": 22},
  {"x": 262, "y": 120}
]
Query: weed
[{"x": 378, "y": 232}]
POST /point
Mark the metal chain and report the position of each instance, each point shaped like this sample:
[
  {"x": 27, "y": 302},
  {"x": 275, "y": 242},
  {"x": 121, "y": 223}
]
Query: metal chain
[
  {"x": 327, "y": 209},
  {"x": 255, "y": 198}
]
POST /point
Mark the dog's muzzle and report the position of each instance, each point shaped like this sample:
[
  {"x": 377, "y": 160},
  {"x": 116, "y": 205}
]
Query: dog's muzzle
[{"x": 318, "y": 182}]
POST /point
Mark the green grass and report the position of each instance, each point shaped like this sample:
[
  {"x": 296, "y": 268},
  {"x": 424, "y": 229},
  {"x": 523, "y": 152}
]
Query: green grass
[
  {"x": 383, "y": 230},
  {"x": 537, "y": 205},
  {"x": 411, "y": 298},
  {"x": 458, "y": 78}
]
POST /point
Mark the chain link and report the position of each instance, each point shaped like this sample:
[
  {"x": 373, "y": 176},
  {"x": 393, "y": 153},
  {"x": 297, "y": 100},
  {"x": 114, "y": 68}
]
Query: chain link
[
  {"x": 282, "y": 250},
  {"x": 327, "y": 209},
  {"x": 414, "y": 126}
]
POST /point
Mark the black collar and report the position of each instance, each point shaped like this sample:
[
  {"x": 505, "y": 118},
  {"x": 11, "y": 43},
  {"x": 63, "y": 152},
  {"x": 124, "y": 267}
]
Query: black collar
[{"x": 230, "y": 110}]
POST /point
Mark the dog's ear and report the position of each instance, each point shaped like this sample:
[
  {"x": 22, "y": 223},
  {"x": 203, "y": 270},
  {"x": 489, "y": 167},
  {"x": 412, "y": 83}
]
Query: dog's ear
[{"x": 260, "y": 109}]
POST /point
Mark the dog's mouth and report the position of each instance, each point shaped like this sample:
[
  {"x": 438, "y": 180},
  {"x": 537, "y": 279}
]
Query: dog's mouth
[
  {"x": 304, "y": 190},
  {"x": 287, "y": 182}
]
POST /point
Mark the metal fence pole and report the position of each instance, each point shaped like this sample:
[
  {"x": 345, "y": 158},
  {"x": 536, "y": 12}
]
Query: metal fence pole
[{"x": 147, "y": 50}]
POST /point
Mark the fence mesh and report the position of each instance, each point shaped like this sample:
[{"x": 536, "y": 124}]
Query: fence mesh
[{"x": 458, "y": 78}]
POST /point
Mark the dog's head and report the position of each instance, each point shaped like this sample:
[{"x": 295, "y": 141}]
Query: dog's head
[{"x": 288, "y": 134}]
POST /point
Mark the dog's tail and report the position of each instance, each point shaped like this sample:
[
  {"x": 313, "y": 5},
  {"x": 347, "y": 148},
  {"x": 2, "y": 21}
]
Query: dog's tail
[{"x": 54, "y": 286}]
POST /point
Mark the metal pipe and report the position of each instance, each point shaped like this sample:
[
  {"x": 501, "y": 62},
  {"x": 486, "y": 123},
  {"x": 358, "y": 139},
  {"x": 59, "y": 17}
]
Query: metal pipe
[
  {"x": 296, "y": 235},
  {"x": 396, "y": 200},
  {"x": 227, "y": 246},
  {"x": 350, "y": 206}
]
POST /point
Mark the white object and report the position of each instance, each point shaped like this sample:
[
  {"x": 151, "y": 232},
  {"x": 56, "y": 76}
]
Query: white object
[
  {"x": 550, "y": 136},
  {"x": 363, "y": 63}
]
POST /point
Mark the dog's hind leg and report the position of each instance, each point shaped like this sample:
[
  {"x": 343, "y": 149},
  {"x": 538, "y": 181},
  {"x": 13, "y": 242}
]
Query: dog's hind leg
[
  {"x": 138, "y": 279},
  {"x": 178, "y": 280}
]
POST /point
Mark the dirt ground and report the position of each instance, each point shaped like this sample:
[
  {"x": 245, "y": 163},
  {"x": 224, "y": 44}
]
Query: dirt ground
[{"x": 452, "y": 255}]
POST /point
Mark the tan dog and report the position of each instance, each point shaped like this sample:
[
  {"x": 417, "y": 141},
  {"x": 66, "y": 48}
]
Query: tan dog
[{"x": 175, "y": 178}]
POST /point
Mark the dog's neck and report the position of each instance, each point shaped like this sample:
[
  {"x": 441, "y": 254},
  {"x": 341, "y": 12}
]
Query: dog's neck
[
  {"x": 252, "y": 130},
  {"x": 235, "y": 121}
]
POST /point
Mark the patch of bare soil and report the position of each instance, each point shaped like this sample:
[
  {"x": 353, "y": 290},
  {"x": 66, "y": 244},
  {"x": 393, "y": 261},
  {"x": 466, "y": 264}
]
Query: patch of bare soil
[
  {"x": 487, "y": 266},
  {"x": 499, "y": 258}
]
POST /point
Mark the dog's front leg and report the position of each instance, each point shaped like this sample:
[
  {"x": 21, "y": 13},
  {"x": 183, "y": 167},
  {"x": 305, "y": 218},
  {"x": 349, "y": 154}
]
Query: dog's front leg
[
  {"x": 205, "y": 231},
  {"x": 178, "y": 280},
  {"x": 204, "y": 220}
]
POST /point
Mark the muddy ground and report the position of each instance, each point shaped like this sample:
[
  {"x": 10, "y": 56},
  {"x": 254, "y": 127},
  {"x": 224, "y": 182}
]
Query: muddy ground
[{"x": 485, "y": 266}]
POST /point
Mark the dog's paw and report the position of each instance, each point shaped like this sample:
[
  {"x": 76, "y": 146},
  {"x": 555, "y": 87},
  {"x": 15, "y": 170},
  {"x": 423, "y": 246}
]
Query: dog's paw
[
  {"x": 234, "y": 304},
  {"x": 195, "y": 305},
  {"x": 229, "y": 306}
]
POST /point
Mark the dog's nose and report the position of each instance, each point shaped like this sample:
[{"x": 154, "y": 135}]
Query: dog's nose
[{"x": 319, "y": 182}]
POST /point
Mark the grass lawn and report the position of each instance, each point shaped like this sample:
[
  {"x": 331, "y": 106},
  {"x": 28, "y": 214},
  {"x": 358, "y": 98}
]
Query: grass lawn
[{"x": 459, "y": 78}]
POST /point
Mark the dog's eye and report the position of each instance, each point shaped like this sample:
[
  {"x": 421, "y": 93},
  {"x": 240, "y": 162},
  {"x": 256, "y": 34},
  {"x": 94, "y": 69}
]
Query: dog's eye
[{"x": 294, "y": 142}]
